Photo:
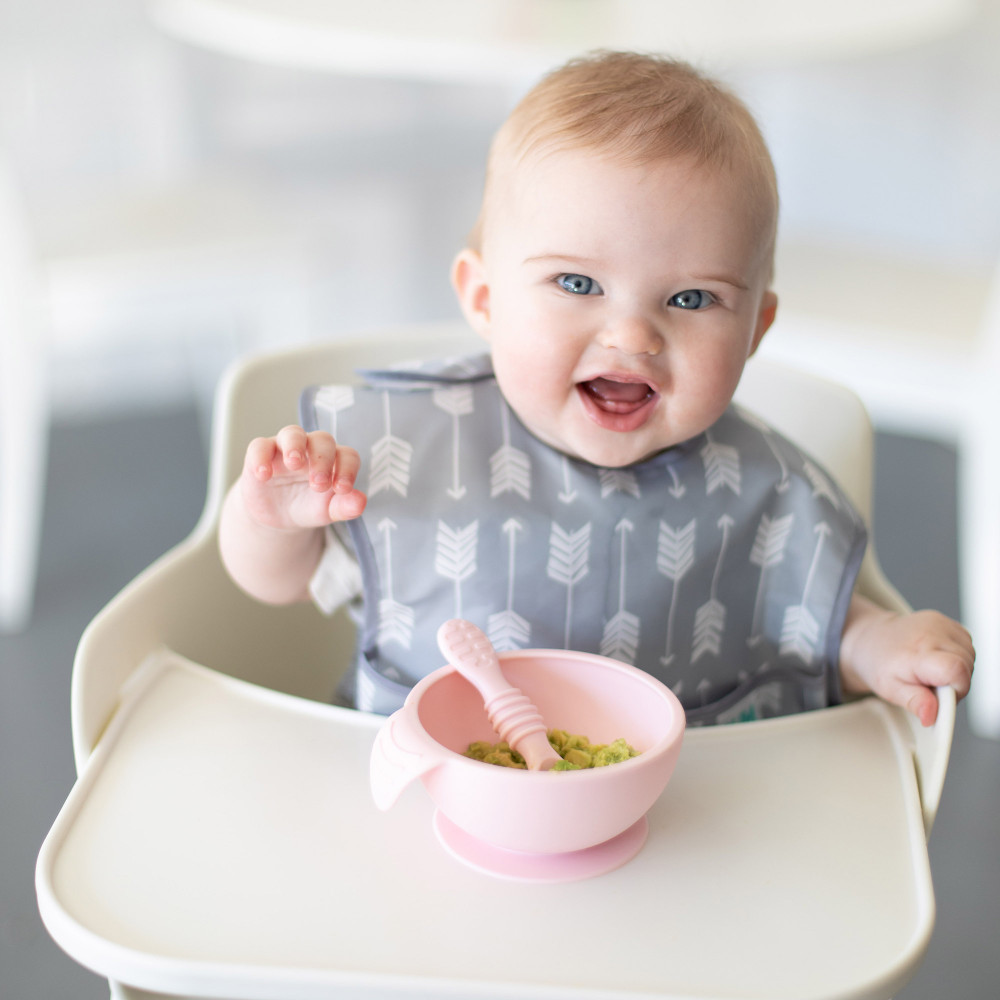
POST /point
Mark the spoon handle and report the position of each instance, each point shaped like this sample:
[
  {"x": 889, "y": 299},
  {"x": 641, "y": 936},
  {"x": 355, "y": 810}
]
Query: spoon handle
[{"x": 510, "y": 711}]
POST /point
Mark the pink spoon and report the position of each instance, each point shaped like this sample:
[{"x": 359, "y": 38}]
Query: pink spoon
[{"x": 510, "y": 711}]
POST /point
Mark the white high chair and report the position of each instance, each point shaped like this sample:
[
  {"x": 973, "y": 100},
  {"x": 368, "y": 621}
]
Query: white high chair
[{"x": 221, "y": 840}]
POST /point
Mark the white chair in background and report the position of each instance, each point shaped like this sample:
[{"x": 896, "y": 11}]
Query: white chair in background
[
  {"x": 207, "y": 260},
  {"x": 919, "y": 342},
  {"x": 134, "y": 263},
  {"x": 23, "y": 408},
  {"x": 196, "y": 271},
  {"x": 221, "y": 838}
]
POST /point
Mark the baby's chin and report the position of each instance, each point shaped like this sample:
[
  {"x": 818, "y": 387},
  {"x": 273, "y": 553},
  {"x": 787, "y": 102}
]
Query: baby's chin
[
  {"x": 617, "y": 453},
  {"x": 617, "y": 458}
]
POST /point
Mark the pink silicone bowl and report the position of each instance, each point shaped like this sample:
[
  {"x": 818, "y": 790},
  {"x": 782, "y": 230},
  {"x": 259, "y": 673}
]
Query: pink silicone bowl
[{"x": 534, "y": 811}]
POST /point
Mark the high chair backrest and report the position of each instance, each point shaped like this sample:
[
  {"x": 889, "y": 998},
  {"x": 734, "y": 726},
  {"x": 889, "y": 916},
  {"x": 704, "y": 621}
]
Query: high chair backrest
[{"x": 187, "y": 602}]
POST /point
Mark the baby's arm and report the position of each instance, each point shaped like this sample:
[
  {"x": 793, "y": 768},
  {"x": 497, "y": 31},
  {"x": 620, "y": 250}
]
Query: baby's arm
[
  {"x": 291, "y": 487},
  {"x": 903, "y": 657}
]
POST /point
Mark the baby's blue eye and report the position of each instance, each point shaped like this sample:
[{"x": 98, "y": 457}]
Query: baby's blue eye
[
  {"x": 579, "y": 284},
  {"x": 693, "y": 298}
]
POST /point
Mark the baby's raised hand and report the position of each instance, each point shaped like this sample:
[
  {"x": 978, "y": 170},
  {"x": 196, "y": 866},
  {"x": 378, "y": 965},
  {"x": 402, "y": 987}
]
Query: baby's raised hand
[
  {"x": 300, "y": 480},
  {"x": 903, "y": 657}
]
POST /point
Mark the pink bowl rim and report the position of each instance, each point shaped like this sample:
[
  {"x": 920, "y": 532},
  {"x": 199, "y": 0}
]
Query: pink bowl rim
[{"x": 673, "y": 735}]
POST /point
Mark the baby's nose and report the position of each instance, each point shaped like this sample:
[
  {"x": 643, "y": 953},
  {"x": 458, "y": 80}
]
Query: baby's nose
[{"x": 632, "y": 334}]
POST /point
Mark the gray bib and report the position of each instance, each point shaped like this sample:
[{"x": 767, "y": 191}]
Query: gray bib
[{"x": 723, "y": 566}]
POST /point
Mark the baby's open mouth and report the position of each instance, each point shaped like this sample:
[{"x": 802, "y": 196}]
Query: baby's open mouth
[
  {"x": 618, "y": 396},
  {"x": 618, "y": 403}
]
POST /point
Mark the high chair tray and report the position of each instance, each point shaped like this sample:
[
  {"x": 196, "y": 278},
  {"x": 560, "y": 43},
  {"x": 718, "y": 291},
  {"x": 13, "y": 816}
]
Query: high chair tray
[{"x": 222, "y": 842}]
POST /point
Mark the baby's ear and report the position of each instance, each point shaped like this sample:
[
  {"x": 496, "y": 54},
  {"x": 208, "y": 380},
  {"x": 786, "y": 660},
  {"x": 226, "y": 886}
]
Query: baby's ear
[
  {"x": 765, "y": 317},
  {"x": 468, "y": 278}
]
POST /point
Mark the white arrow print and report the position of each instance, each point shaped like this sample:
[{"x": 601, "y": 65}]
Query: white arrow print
[
  {"x": 618, "y": 480},
  {"x": 674, "y": 557},
  {"x": 567, "y": 495},
  {"x": 710, "y": 618},
  {"x": 395, "y": 620},
  {"x": 799, "y": 633},
  {"x": 822, "y": 487},
  {"x": 678, "y": 489},
  {"x": 799, "y": 628},
  {"x": 456, "y": 400},
  {"x": 768, "y": 550},
  {"x": 621, "y": 634},
  {"x": 390, "y": 459},
  {"x": 456, "y": 556},
  {"x": 333, "y": 399},
  {"x": 569, "y": 552},
  {"x": 722, "y": 466},
  {"x": 510, "y": 468},
  {"x": 709, "y": 622},
  {"x": 703, "y": 687},
  {"x": 507, "y": 629}
]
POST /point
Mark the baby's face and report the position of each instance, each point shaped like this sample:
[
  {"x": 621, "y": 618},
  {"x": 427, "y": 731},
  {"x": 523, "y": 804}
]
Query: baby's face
[{"x": 620, "y": 302}]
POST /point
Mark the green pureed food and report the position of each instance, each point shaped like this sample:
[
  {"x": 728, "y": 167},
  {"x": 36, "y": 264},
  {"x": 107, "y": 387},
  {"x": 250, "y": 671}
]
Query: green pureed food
[{"x": 577, "y": 752}]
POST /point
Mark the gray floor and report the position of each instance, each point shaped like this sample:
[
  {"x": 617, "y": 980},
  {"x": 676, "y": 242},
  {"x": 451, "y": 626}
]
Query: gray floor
[{"x": 123, "y": 491}]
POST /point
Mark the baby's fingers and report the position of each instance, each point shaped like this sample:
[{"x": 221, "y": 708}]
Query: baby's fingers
[
  {"x": 331, "y": 466},
  {"x": 951, "y": 668},
  {"x": 939, "y": 669},
  {"x": 309, "y": 479},
  {"x": 346, "y": 468},
  {"x": 912, "y": 694},
  {"x": 267, "y": 457},
  {"x": 347, "y": 506},
  {"x": 922, "y": 702},
  {"x": 948, "y": 659},
  {"x": 293, "y": 447},
  {"x": 260, "y": 456},
  {"x": 346, "y": 502},
  {"x": 311, "y": 456}
]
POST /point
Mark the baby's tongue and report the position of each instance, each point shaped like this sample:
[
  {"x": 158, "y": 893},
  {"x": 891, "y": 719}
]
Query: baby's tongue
[{"x": 610, "y": 391}]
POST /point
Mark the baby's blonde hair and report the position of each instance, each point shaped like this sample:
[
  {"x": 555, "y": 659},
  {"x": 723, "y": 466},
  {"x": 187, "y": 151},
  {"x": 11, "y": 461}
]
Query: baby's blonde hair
[{"x": 636, "y": 109}]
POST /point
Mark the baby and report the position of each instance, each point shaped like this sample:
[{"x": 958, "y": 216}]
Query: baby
[{"x": 589, "y": 483}]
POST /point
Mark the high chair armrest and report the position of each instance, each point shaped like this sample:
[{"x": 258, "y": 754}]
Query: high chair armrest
[
  {"x": 931, "y": 750},
  {"x": 931, "y": 745},
  {"x": 186, "y": 602}
]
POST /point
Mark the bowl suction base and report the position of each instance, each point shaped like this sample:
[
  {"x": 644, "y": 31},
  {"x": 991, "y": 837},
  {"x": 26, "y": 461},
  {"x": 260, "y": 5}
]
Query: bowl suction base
[{"x": 525, "y": 867}]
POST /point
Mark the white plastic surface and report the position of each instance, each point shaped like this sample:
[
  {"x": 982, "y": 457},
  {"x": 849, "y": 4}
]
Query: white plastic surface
[{"x": 222, "y": 842}]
